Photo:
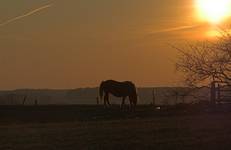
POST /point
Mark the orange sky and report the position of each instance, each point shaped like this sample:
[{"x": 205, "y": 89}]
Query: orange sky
[{"x": 78, "y": 43}]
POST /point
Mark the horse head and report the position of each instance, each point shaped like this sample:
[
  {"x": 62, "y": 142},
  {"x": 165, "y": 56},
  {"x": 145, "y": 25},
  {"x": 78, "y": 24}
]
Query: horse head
[{"x": 101, "y": 89}]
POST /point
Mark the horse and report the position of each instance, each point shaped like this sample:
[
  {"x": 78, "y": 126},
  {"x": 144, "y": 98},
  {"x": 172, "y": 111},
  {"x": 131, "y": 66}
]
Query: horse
[{"x": 118, "y": 89}]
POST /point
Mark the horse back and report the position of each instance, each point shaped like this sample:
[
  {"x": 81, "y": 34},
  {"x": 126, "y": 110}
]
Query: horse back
[{"x": 120, "y": 89}]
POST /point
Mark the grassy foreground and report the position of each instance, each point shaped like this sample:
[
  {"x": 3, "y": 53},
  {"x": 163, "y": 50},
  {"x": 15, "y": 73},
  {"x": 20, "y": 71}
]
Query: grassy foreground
[{"x": 93, "y": 127}]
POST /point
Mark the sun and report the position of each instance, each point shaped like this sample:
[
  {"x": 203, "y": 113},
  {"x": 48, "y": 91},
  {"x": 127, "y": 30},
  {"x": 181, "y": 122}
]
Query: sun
[{"x": 213, "y": 11}]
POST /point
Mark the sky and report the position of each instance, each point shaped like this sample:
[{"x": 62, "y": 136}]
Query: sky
[{"x": 78, "y": 43}]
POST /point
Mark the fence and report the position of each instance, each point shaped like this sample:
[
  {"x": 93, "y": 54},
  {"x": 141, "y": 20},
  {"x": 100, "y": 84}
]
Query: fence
[{"x": 220, "y": 92}]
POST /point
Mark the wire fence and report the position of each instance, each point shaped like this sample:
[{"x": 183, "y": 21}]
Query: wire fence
[{"x": 146, "y": 96}]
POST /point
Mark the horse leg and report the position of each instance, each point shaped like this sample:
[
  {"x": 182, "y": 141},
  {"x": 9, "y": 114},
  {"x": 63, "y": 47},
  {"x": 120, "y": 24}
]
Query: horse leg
[
  {"x": 106, "y": 99},
  {"x": 123, "y": 102},
  {"x": 132, "y": 105},
  {"x": 108, "y": 103},
  {"x": 130, "y": 101}
]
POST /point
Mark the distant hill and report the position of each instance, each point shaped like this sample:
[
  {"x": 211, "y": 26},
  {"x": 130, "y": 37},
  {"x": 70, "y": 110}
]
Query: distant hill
[{"x": 163, "y": 95}]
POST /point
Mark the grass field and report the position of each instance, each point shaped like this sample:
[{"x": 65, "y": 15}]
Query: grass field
[{"x": 93, "y": 127}]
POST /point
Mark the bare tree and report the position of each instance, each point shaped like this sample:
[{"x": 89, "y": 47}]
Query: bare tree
[{"x": 207, "y": 61}]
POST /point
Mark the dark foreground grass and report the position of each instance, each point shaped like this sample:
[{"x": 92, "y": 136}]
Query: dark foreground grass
[{"x": 92, "y": 127}]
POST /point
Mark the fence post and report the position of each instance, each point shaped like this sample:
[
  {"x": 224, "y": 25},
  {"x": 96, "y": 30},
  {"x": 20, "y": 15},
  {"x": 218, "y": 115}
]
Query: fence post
[
  {"x": 24, "y": 100},
  {"x": 97, "y": 100},
  {"x": 153, "y": 97},
  {"x": 219, "y": 93},
  {"x": 36, "y": 102},
  {"x": 176, "y": 97},
  {"x": 213, "y": 93}
]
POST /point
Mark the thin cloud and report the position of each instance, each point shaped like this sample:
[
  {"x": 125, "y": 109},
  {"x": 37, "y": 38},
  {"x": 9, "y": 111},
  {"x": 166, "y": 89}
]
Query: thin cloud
[
  {"x": 25, "y": 15},
  {"x": 180, "y": 28},
  {"x": 179, "y": 32}
]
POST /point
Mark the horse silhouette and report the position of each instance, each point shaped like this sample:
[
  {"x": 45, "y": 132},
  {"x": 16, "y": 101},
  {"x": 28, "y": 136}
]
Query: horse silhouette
[{"x": 118, "y": 89}]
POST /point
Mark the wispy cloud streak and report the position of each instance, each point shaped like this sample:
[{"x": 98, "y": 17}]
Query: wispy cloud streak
[
  {"x": 25, "y": 15},
  {"x": 180, "y": 28}
]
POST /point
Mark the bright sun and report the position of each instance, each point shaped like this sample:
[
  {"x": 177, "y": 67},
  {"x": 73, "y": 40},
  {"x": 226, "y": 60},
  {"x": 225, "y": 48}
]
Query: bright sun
[{"x": 213, "y": 11}]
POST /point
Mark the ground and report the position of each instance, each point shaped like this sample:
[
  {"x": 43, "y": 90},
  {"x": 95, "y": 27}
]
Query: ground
[{"x": 94, "y": 127}]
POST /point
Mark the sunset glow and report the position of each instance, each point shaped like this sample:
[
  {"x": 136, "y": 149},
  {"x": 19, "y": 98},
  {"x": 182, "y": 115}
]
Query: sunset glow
[
  {"x": 213, "y": 33},
  {"x": 78, "y": 43},
  {"x": 213, "y": 11}
]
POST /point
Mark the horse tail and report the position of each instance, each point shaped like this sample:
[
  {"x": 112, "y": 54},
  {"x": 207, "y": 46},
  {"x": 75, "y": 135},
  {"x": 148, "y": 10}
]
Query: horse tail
[
  {"x": 134, "y": 93},
  {"x": 101, "y": 90}
]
